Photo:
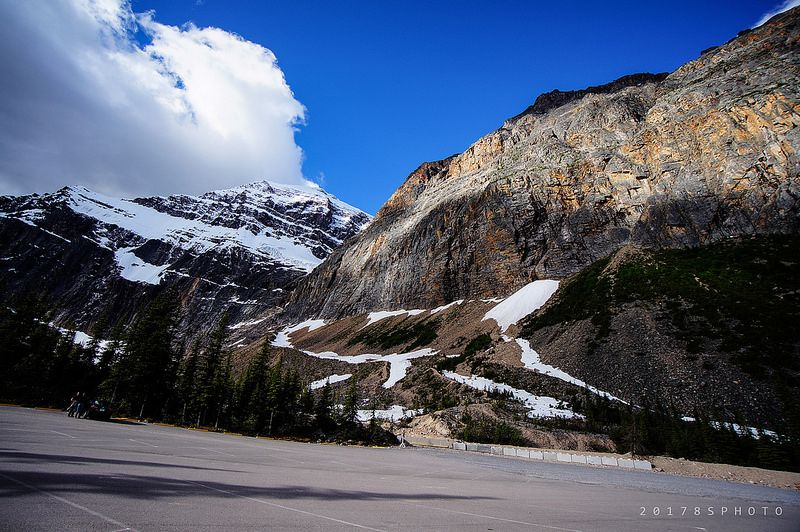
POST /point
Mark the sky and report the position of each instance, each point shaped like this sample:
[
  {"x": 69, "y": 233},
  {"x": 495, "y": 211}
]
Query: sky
[{"x": 185, "y": 96}]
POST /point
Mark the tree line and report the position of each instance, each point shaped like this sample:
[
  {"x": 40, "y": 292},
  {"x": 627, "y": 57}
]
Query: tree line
[
  {"x": 145, "y": 371},
  {"x": 655, "y": 428}
]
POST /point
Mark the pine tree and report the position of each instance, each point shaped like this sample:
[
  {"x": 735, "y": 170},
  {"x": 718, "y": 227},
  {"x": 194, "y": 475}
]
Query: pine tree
[
  {"x": 275, "y": 393},
  {"x": 147, "y": 367},
  {"x": 109, "y": 356},
  {"x": 210, "y": 387},
  {"x": 323, "y": 407},
  {"x": 350, "y": 406},
  {"x": 253, "y": 391},
  {"x": 186, "y": 382},
  {"x": 291, "y": 396},
  {"x": 27, "y": 345},
  {"x": 223, "y": 388},
  {"x": 305, "y": 407}
]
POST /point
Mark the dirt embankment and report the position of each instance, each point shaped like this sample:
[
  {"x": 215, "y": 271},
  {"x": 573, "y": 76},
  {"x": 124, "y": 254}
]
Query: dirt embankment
[{"x": 732, "y": 473}]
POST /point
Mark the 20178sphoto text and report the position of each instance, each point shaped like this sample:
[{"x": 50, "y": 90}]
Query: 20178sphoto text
[{"x": 721, "y": 511}]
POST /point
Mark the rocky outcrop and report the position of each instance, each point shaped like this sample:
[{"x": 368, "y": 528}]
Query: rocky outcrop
[{"x": 706, "y": 153}]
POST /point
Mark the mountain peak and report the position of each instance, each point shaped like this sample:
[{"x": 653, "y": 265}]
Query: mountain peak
[
  {"x": 687, "y": 159},
  {"x": 556, "y": 98}
]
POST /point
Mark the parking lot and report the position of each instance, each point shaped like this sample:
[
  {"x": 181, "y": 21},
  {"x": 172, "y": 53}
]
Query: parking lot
[{"x": 61, "y": 473}]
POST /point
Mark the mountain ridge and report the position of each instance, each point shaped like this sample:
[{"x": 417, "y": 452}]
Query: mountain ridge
[{"x": 706, "y": 153}]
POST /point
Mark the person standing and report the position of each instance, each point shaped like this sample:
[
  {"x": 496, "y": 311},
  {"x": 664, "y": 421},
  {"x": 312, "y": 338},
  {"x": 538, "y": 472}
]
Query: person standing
[
  {"x": 73, "y": 405},
  {"x": 81, "y": 407}
]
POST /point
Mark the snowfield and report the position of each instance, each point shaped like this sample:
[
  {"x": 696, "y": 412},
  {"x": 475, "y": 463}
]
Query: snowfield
[
  {"x": 246, "y": 323},
  {"x": 447, "y": 306},
  {"x": 282, "y": 338},
  {"x": 135, "y": 269},
  {"x": 521, "y": 303},
  {"x": 189, "y": 234}
]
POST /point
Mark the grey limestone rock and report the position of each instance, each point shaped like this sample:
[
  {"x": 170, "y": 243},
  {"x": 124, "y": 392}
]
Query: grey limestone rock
[{"x": 705, "y": 153}]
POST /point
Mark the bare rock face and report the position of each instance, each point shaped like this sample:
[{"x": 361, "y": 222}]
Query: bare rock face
[{"x": 707, "y": 152}]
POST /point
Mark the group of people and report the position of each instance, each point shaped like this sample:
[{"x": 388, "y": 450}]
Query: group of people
[
  {"x": 78, "y": 406},
  {"x": 82, "y": 407}
]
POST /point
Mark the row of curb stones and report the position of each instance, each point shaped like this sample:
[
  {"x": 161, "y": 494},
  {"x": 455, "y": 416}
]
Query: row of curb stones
[{"x": 554, "y": 456}]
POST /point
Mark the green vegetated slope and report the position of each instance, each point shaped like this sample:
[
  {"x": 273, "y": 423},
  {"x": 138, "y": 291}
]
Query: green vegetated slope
[
  {"x": 730, "y": 308},
  {"x": 386, "y": 337},
  {"x": 740, "y": 297}
]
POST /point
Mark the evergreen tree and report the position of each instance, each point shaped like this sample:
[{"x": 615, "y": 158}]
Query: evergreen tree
[
  {"x": 275, "y": 393},
  {"x": 223, "y": 388},
  {"x": 147, "y": 367},
  {"x": 109, "y": 355},
  {"x": 35, "y": 358},
  {"x": 253, "y": 391},
  {"x": 305, "y": 408},
  {"x": 350, "y": 407},
  {"x": 290, "y": 400},
  {"x": 186, "y": 382},
  {"x": 210, "y": 385},
  {"x": 323, "y": 407}
]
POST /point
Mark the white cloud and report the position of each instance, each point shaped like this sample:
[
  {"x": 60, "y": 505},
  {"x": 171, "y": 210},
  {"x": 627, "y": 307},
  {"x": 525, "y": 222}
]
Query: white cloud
[
  {"x": 783, "y": 6},
  {"x": 83, "y": 102}
]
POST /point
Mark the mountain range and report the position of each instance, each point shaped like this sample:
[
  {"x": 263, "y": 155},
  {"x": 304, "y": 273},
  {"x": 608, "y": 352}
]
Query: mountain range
[{"x": 627, "y": 244}]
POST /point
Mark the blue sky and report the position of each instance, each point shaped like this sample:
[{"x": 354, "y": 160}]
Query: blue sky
[
  {"x": 385, "y": 85},
  {"x": 388, "y": 85}
]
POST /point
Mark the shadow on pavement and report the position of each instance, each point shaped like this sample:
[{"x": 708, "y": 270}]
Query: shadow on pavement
[
  {"x": 23, "y": 457},
  {"x": 153, "y": 488},
  {"x": 120, "y": 421}
]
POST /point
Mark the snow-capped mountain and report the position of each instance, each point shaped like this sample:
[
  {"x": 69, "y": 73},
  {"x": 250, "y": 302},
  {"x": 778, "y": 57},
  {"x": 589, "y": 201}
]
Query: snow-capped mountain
[{"x": 92, "y": 254}]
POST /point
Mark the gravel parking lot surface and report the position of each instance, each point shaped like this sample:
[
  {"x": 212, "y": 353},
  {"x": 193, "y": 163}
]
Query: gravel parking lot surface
[{"x": 59, "y": 473}]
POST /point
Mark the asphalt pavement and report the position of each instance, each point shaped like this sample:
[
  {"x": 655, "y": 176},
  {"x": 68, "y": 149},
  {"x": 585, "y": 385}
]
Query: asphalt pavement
[{"x": 60, "y": 473}]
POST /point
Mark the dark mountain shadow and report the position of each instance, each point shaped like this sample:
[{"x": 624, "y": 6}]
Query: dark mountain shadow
[
  {"x": 23, "y": 457},
  {"x": 142, "y": 487}
]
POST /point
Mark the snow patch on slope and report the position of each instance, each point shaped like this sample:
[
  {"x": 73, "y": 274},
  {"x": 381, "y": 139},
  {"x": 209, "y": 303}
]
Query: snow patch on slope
[
  {"x": 82, "y": 339},
  {"x": 372, "y": 317},
  {"x": 333, "y": 379},
  {"x": 531, "y": 360},
  {"x": 393, "y": 413},
  {"x": 739, "y": 429},
  {"x": 398, "y": 362},
  {"x": 282, "y": 338},
  {"x": 527, "y": 299},
  {"x": 135, "y": 269},
  {"x": 30, "y": 217},
  {"x": 538, "y": 406},
  {"x": 447, "y": 306},
  {"x": 246, "y": 323}
]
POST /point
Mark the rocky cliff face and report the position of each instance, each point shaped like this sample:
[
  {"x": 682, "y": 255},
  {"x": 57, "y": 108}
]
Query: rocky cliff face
[
  {"x": 93, "y": 256},
  {"x": 705, "y": 153}
]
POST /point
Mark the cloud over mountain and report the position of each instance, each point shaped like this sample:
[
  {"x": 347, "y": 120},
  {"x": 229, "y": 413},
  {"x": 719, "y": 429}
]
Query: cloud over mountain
[
  {"x": 96, "y": 94},
  {"x": 777, "y": 10}
]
